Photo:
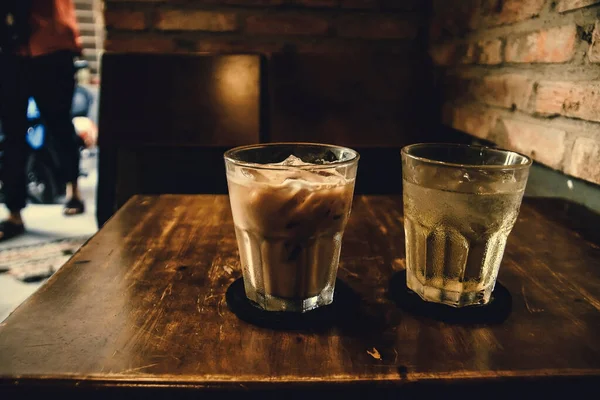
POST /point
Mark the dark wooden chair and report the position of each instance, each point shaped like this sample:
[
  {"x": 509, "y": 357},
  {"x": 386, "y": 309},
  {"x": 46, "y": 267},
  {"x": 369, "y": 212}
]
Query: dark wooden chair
[
  {"x": 165, "y": 121},
  {"x": 373, "y": 102}
]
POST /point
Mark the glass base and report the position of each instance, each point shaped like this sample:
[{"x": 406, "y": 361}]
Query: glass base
[
  {"x": 448, "y": 297},
  {"x": 273, "y": 303}
]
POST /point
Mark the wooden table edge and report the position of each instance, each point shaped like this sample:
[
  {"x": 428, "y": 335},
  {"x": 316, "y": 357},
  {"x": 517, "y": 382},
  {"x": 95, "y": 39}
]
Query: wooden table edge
[{"x": 250, "y": 382}]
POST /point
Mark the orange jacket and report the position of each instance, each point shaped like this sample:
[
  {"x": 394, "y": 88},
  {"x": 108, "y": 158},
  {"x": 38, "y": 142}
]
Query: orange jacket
[{"x": 53, "y": 28}]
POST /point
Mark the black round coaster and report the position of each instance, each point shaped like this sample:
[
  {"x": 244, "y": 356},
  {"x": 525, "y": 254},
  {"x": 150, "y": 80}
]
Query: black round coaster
[
  {"x": 345, "y": 301},
  {"x": 496, "y": 311}
]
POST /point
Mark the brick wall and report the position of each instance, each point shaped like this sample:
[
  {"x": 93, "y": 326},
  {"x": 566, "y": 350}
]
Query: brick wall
[
  {"x": 263, "y": 26},
  {"x": 524, "y": 74}
]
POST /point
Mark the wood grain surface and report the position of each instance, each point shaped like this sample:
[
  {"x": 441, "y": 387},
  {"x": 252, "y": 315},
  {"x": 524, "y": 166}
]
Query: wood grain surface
[{"x": 142, "y": 306}]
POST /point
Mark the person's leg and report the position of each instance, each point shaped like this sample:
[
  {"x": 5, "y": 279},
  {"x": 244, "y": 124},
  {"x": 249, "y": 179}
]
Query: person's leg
[
  {"x": 54, "y": 84},
  {"x": 13, "y": 116}
]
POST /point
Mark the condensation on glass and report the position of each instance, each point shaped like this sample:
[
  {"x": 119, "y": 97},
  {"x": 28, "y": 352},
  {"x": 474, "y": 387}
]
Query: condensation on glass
[
  {"x": 290, "y": 204},
  {"x": 460, "y": 205}
]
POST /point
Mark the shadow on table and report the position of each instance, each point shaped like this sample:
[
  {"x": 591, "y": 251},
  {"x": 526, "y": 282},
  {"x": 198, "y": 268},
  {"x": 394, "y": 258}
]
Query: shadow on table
[
  {"x": 348, "y": 313},
  {"x": 575, "y": 216},
  {"x": 495, "y": 312}
]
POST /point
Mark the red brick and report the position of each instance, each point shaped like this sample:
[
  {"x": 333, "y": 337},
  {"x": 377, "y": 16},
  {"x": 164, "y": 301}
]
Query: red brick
[
  {"x": 501, "y": 12},
  {"x": 451, "y": 53},
  {"x": 456, "y": 17},
  {"x": 140, "y": 44},
  {"x": 360, "y": 3},
  {"x": 376, "y": 27},
  {"x": 123, "y": 19},
  {"x": 566, "y": 5},
  {"x": 195, "y": 20},
  {"x": 318, "y": 3},
  {"x": 209, "y": 2},
  {"x": 241, "y": 45},
  {"x": 489, "y": 52},
  {"x": 552, "y": 45},
  {"x": 442, "y": 27},
  {"x": 508, "y": 90},
  {"x": 541, "y": 142},
  {"x": 473, "y": 120},
  {"x": 571, "y": 99},
  {"x": 585, "y": 160},
  {"x": 469, "y": 56},
  {"x": 444, "y": 54},
  {"x": 594, "y": 51},
  {"x": 286, "y": 24},
  {"x": 251, "y": 2},
  {"x": 134, "y": 1},
  {"x": 483, "y": 52},
  {"x": 334, "y": 45},
  {"x": 404, "y": 5}
]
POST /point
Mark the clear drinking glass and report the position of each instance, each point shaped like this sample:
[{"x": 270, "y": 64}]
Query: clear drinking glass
[
  {"x": 290, "y": 204},
  {"x": 460, "y": 204}
]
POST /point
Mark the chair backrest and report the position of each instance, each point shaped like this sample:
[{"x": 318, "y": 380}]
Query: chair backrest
[
  {"x": 373, "y": 102},
  {"x": 354, "y": 99},
  {"x": 165, "y": 121}
]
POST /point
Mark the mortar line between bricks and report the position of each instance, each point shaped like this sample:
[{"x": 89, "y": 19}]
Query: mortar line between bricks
[
  {"x": 495, "y": 134},
  {"x": 521, "y": 28},
  {"x": 554, "y": 71},
  {"x": 587, "y": 128},
  {"x": 407, "y": 43},
  {"x": 268, "y": 9}
]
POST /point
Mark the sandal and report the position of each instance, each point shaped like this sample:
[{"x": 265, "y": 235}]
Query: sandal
[
  {"x": 10, "y": 230},
  {"x": 74, "y": 207}
]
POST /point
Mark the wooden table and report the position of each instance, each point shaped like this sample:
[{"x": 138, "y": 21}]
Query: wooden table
[{"x": 140, "y": 310}]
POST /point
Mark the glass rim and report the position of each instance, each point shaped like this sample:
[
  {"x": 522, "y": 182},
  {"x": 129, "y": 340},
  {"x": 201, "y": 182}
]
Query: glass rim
[
  {"x": 406, "y": 151},
  {"x": 333, "y": 164}
]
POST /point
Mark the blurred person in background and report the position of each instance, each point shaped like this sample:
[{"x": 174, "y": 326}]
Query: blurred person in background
[{"x": 38, "y": 42}]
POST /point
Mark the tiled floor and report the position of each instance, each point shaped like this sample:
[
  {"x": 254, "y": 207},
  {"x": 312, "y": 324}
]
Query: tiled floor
[{"x": 46, "y": 222}]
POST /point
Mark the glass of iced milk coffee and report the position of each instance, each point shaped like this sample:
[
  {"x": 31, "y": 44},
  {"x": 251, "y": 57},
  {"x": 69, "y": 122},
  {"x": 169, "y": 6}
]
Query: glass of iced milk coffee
[
  {"x": 290, "y": 204},
  {"x": 460, "y": 204}
]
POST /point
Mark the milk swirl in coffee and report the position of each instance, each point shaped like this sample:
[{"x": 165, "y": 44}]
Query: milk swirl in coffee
[{"x": 289, "y": 220}]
